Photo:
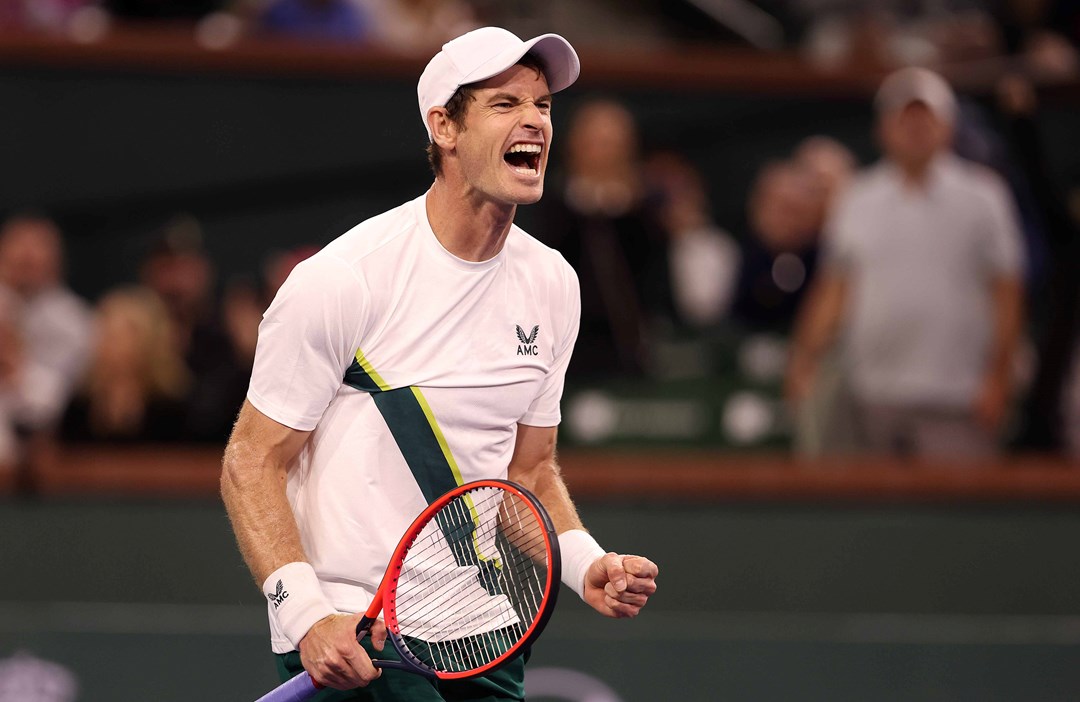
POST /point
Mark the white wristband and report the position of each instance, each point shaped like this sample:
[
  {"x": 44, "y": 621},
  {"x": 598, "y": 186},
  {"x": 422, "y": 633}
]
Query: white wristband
[
  {"x": 579, "y": 551},
  {"x": 296, "y": 599}
]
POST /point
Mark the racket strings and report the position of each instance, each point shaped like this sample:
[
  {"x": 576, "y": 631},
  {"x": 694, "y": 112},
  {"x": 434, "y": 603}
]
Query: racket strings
[
  {"x": 457, "y": 653},
  {"x": 462, "y": 612},
  {"x": 518, "y": 576},
  {"x": 475, "y": 612},
  {"x": 473, "y": 582}
]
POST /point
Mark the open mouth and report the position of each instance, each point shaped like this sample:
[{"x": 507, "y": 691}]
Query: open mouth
[{"x": 524, "y": 158}]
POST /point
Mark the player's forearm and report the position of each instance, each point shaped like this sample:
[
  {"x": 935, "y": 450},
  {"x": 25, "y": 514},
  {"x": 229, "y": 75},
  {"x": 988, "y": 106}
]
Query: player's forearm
[
  {"x": 253, "y": 489},
  {"x": 544, "y": 479},
  {"x": 551, "y": 489},
  {"x": 578, "y": 549},
  {"x": 535, "y": 467}
]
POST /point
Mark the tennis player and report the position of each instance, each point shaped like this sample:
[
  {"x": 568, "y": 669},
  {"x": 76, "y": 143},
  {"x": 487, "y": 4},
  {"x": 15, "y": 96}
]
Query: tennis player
[{"x": 424, "y": 348}]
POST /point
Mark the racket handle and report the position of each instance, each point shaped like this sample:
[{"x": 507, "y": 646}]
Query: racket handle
[
  {"x": 363, "y": 627},
  {"x": 300, "y": 688},
  {"x": 390, "y": 664}
]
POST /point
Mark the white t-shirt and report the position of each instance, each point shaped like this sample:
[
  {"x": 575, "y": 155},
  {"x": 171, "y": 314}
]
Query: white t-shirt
[
  {"x": 413, "y": 368},
  {"x": 920, "y": 265}
]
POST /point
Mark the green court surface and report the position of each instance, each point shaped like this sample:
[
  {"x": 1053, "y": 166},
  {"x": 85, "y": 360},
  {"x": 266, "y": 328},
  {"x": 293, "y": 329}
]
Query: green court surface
[{"x": 756, "y": 602}]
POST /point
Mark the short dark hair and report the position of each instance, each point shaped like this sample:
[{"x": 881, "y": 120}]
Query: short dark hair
[
  {"x": 457, "y": 106},
  {"x": 455, "y": 110}
]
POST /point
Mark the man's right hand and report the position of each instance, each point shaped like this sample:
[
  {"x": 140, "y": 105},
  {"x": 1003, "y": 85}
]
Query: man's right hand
[{"x": 332, "y": 656}]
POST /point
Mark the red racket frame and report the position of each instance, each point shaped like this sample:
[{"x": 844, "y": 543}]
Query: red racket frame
[{"x": 397, "y": 562}]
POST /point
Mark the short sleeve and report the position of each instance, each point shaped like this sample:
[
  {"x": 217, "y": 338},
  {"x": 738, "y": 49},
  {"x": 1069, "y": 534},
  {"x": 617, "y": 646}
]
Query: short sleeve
[
  {"x": 1004, "y": 253},
  {"x": 841, "y": 234},
  {"x": 544, "y": 410},
  {"x": 307, "y": 340}
]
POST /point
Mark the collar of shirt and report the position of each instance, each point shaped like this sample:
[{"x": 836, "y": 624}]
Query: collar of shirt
[{"x": 940, "y": 174}]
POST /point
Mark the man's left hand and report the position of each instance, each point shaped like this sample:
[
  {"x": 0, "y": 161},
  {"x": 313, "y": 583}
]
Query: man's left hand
[{"x": 619, "y": 586}]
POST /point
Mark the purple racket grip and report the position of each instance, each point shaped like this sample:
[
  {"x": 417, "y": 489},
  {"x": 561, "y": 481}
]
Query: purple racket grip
[{"x": 300, "y": 688}]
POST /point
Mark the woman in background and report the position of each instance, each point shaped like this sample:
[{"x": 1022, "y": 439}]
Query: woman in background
[{"x": 136, "y": 383}]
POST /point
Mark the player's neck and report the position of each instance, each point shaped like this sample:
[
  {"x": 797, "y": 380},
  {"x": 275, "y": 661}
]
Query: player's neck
[
  {"x": 916, "y": 172},
  {"x": 471, "y": 228}
]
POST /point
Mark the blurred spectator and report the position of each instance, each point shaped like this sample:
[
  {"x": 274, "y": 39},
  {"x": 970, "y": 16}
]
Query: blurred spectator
[
  {"x": 614, "y": 24},
  {"x": 1044, "y": 33},
  {"x": 180, "y": 273},
  {"x": 823, "y": 420},
  {"x": 830, "y": 166},
  {"x": 1071, "y": 406},
  {"x": 1055, "y": 300},
  {"x": 780, "y": 253},
  {"x": 342, "y": 20},
  {"x": 137, "y": 383},
  {"x": 53, "y": 323},
  {"x": 244, "y": 303},
  {"x": 979, "y": 137},
  {"x": 50, "y": 15},
  {"x": 891, "y": 33},
  {"x": 604, "y": 228},
  {"x": 704, "y": 258},
  {"x": 923, "y": 268},
  {"x": 11, "y": 359},
  {"x": 416, "y": 26}
]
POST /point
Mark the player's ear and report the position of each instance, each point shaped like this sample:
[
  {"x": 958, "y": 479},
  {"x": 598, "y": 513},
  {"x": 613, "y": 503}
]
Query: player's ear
[{"x": 443, "y": 129}]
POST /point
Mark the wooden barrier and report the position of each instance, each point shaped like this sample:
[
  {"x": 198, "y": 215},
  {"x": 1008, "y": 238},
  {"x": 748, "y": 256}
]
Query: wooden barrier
[
  {"x": 727, "y": 476},
  {"x": 156, "y": 471},
  {"x": 172, "y": 48}
]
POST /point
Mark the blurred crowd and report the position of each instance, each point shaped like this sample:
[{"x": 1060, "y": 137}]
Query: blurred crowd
[
  {"x": 929, "y": 298},
  {"x": 161, "y": 359}
]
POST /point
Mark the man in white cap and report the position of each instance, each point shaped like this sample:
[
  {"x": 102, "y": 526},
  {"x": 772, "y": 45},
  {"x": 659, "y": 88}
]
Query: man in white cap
[
  {"x": 424, "y": 348},
  {"x": 923, "y": 270}
]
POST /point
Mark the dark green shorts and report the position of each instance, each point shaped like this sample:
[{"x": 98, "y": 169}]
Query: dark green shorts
[{"x": 507, "y": 684}]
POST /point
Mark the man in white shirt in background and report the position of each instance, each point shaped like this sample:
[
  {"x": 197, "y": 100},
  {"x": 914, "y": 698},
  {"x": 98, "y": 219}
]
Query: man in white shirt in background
[
  {"x": 54, "y": 326},
  {"x": 922, "y": 280}
]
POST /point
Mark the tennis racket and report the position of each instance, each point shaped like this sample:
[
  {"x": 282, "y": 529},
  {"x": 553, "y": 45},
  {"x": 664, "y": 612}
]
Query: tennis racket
[{"x": 471, "y": 584}]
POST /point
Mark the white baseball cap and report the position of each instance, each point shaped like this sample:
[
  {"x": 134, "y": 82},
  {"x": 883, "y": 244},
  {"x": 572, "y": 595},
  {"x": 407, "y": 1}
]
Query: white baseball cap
[
  {"x": 912, "y": 84},
  {"x": 486, "y": 52}
]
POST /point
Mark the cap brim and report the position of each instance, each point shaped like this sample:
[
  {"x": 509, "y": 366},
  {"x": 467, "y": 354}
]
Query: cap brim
[
  {"x": 911, "y": 85},
  {"x": 941, "y": 108},
  {"x": 561, "y": 63}
]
